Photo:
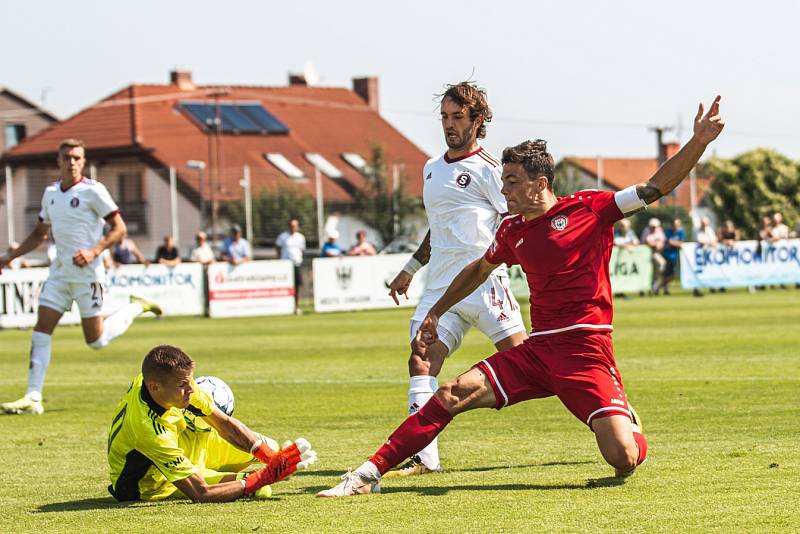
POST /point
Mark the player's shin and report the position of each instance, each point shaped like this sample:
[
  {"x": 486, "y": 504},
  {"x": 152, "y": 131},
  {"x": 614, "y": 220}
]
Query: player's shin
[
  {"x": 116, "y": 324},
  {"x": 420, "y": 392},
  {"x": 41, "y": 344},
  {"x": 413, "y": 435}
]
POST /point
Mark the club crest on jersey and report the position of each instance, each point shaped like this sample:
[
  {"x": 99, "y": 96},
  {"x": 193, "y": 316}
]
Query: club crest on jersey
[
  {"x": 430, "y": 174},
  {"x": 463, "y": 180},
  {"x": 559, "y": 223},
  {"x": 74, "y": 202}
]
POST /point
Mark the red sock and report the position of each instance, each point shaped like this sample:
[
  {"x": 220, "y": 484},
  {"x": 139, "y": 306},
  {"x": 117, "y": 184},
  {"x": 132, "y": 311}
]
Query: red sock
[
  {"x": 413, "y": 435},
  {"x": 641, "y": 441}
]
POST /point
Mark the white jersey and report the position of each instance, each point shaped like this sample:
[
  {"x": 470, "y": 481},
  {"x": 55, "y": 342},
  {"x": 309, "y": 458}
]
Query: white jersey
[
  {"x": 464, "y": 204},
  {"x": 76, "y": 218}
]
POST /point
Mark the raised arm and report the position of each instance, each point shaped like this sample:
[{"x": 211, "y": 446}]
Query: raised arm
[
  {"x": 706, "y": 128},
  {"x": 33, "y": 240}
]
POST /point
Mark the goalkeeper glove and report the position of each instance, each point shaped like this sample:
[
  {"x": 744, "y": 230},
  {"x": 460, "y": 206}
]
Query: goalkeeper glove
[{"x": 280, "y": 465}]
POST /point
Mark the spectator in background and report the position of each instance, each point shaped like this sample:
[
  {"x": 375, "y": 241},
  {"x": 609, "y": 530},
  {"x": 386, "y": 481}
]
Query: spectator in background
[
  {"x": 362, "y": 247},
  {"x": 202, "y": 253},
  {"x": 706, "y": 237},
  {"x": 779, "y": 229},
  {"x": 235, "y": 248},
  {"x": 126, "y": 252},
  {"x": 675, "y": 235},
  {"x": 167, "y": 254},
  {"x": 292, "y": 245},
  {"x": 653, "y": 236},
  {"x": 331, "y": 248},
  {"x": 624, "y": 236},
  {"x": 728, "y": 234},
  {"x": 765, "y": 228},
  {"x": 19, "y": 262}
]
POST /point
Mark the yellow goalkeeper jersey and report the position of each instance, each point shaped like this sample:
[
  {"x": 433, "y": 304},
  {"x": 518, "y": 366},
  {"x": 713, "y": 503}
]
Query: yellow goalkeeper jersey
[{"x": 145, "y": 450}]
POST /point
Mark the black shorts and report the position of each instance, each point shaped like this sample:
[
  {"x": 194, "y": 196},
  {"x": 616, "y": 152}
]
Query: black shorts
[
  {"x": 298, "y": 277},
  {"x": 671, "y": 268}
]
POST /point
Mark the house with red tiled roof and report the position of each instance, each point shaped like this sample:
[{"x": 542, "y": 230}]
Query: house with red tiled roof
[
  {"x": 208, "y": 135},
  {"x": 20, "y": 118},
  {"x": 614, "y": 174}
]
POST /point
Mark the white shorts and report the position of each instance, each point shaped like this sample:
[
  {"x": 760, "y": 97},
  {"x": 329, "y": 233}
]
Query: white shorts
[
  {"x": 59, "y": 295},
  {"x": 491, "y": 308}
]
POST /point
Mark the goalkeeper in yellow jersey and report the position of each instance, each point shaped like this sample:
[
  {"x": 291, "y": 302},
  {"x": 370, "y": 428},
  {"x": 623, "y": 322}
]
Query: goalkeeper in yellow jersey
[{"x": 168, "y": 438}]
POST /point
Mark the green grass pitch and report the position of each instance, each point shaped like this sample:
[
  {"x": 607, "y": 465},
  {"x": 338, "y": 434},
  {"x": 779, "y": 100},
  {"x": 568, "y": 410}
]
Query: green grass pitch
[{"x": 716, "y": 381}]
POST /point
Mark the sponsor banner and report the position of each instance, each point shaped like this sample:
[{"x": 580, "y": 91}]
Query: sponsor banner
[
  {"x": 631, "y": 271},
  {"x": 361, "y": 282},
  {"x": 251, "y": 288},
  {"x": 19, "y": 298},
  {"x": 747, "y": 263},
  {"x": 178, "y": 290}
]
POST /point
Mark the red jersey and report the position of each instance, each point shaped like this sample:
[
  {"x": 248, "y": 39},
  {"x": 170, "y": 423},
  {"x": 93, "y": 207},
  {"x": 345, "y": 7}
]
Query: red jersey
[{"x": 565, "y": 254}]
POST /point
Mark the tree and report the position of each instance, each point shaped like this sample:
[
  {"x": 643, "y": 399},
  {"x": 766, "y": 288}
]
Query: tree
[
  {"x": 753, "y": 184},
  {"x": 380, "y": 207},
  {"x": 665, "y": 214},
  {"x": 272, "y": 210},
  {"x": 567, "y": 179}
]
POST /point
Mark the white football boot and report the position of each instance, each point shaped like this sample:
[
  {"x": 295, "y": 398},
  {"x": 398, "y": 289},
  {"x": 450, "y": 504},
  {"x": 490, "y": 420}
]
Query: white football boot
[
  {"x": 352, "y": 484},
  {"x": 23, "y": 406}
]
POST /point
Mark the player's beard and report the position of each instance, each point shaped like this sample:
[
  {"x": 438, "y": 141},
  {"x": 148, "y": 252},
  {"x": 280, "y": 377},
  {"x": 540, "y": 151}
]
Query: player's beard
[{"x": 463, "y": 141}]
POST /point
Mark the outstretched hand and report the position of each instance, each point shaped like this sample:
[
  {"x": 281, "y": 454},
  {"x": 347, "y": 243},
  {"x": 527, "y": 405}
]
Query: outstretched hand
[
  {"x": 281, "y": 465},
  {"x": 708, "y": 127}
]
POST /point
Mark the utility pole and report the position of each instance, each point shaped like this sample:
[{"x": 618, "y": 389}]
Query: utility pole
[
  {"x": 215, "y": 132},
  {"x": 10, "y": 203}
]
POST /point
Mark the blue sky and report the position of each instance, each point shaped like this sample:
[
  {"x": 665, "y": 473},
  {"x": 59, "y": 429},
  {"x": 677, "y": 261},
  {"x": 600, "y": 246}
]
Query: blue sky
[{"x": 589, "y": 77}]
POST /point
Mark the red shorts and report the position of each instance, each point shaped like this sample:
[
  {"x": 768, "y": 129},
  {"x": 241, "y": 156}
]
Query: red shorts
[{"x": 576, "y": 366}]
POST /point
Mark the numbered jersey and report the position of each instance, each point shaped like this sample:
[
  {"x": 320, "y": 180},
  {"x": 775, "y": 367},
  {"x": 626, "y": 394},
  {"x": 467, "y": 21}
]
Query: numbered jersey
[
  {"x": 144, "y": 453},
  {"x": 464, "y": 204},
  {"x": 76, "y": 216}
]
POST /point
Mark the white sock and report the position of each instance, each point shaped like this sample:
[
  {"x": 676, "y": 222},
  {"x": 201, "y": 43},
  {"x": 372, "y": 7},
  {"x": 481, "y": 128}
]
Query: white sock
[
  {"x": 369, "y": 471},
  {"x": 40, "y": 360},
  {"x": 116, "y": 324},
  {"x": 421, "y": 389}
]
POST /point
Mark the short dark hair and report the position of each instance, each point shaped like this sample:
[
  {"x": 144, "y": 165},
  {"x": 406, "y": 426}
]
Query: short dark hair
[
  {"x": 534, "y": 158},
  {"x": 165, "y": 360},
  {"x": 467, "y": 94},
  {"x": 71, "y": 143}
]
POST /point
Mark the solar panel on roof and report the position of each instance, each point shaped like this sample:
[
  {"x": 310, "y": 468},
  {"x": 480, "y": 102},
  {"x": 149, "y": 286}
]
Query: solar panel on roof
[{"x": 236, "y": 117}]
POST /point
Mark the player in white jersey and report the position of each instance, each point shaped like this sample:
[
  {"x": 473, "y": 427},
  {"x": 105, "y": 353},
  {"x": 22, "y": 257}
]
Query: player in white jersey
[
  {"x": 464, "y": 205},
  {"x": 74, "y": 209}
]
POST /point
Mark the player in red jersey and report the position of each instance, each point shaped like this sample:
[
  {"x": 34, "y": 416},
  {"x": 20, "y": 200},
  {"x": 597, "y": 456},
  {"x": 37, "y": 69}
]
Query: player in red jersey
[{"x": 564, "y": 246}]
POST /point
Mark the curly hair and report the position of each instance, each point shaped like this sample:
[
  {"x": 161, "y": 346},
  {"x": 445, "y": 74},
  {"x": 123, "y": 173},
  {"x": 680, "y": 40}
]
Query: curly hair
[
  {"x": 534, "y": 158},
  {"x": 467, "y": 94},
  {"x": 165, "y": 360}
]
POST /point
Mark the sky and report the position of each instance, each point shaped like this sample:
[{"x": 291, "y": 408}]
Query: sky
[{"x": 588, "y": 77}]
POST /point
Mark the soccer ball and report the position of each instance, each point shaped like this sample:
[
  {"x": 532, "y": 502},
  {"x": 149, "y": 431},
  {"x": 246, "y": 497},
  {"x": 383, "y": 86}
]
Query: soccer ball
[{"x": 219, "y": 391}]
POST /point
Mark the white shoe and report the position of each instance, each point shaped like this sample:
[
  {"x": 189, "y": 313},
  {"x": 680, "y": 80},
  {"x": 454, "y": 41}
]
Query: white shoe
[
  {"x": 23, "y": 406},
  {"x": 352, "y": 484}
]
